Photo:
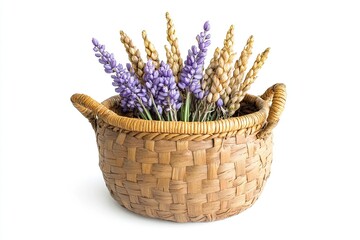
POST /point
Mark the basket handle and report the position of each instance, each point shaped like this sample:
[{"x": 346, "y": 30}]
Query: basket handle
[
  {"x": 277, "y": 95},
  {"x": 89, "y": 108}
]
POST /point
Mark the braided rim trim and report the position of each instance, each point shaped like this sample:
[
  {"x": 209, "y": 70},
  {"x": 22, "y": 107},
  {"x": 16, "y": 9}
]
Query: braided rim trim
[
  {"x": 211, "y": 128},
  {"x": 156, "y": 136}
]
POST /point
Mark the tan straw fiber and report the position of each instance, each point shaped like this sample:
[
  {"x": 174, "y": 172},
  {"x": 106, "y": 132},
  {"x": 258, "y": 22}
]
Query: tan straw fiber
[{"x": 186, "y": 171}]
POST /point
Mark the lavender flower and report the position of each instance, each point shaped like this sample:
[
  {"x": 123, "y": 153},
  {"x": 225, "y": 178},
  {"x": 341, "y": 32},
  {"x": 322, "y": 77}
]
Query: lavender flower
[
  {"x": 192, "y": 72},
  {"x": 151, "y": 77},
  {"x": 105, "y": 58},
  {"x": 162, "y": 88},
  {"x": 133, "y": 94},
  {"x": 168, "y": 95}
]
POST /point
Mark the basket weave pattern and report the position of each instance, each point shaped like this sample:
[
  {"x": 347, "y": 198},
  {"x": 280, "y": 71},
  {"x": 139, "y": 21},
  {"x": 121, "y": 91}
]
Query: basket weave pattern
[
  {"x": 185, "y": 180},
  {"x": 190, "y": 172}
]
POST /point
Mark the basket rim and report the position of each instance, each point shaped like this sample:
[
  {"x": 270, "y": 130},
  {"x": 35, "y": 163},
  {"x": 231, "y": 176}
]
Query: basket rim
[{"x": 171, "y": 127}]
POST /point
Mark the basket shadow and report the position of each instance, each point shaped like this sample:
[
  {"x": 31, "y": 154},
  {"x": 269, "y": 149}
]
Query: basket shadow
[{"x": 95, "y": 193}]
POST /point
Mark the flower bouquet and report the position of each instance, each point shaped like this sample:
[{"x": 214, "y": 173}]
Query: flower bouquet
[{"x": 181, "y": 141}]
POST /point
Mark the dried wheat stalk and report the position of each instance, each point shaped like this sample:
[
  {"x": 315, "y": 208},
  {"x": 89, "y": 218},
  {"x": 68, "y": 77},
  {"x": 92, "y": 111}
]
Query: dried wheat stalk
[
  {"x": 175, "y": 60},
  {"x": 240, "y": 66},
  {"x": 150, "y": 50},
  {"x": 252, "y": 74},
  {"x": 221, "y": 79},
  {"x": 238, "y": 96},
  {"x": 134, "y": 55},
  {"x": 210, "y": 71}
]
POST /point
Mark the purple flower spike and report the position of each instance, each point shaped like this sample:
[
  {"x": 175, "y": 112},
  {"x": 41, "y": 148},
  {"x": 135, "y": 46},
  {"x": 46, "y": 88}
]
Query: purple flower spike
[
  {"x": 162, "y": 86},
  {"x": 192, "y": 72},
  {"x": 133, "y": 94},
  {"x": 169, "y": 94},
  {"x": 150, "y": 78}
]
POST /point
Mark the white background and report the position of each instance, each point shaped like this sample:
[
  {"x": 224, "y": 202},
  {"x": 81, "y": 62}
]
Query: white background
[{"x": 51, "y": 186}]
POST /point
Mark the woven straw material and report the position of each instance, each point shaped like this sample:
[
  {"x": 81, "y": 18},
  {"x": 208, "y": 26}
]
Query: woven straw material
[{"x": 186, "y": 172}]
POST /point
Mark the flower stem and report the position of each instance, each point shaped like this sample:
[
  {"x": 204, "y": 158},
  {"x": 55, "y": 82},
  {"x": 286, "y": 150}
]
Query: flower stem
[
  {"x": 143, "y": 116},
  {"x": 148, "y": 115},
  {"x": 156, "y": 110},
  {"x": 174, "y": 113},
  {"x": 186, "y": 113},
  {"x": 196, "y": 113}
]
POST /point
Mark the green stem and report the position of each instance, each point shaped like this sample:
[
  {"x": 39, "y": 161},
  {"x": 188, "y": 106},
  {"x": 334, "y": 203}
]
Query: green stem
[
  {"x": 142, "y": 115},
  {"x": 148, "y": 115},
  {"x": 156, "y": 110},
  {"x": 187, "y": 107},
  {"x": 182, "y": 112}
]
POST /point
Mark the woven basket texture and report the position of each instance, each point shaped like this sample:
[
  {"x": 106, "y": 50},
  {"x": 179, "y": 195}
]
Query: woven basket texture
[{"x": 186, "y": 172}]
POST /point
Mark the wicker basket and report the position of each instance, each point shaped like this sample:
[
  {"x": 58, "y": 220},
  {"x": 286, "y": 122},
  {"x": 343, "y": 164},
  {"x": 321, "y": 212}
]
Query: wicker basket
[{"x": 186, "y": 172}]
